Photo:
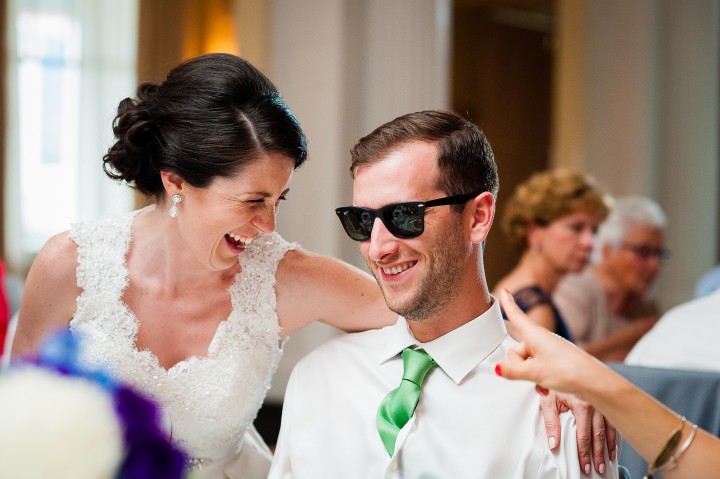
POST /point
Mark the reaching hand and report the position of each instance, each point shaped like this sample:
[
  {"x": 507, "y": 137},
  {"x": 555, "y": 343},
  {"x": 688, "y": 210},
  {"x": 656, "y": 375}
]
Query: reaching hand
[
  {"x": 543, "y": 357},
  {"x": 554, "y": 363}
]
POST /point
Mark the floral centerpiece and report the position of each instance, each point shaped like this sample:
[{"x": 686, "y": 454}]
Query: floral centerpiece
[{"x": 61, "y": 420}]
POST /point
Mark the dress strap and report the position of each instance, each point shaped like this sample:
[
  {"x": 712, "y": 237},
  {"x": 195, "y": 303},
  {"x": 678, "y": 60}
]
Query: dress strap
[
  {"x": 101, "y": 249},
  {"x": 254, "y": 287}
]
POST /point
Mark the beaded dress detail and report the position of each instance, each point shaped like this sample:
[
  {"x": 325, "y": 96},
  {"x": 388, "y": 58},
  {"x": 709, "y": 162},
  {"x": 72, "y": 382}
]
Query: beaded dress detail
[{"x": 211, "y": 401}]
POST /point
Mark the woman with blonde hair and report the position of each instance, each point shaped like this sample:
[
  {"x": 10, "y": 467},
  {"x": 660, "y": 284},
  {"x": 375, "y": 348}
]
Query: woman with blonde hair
[{"x": 552, "y": 219}]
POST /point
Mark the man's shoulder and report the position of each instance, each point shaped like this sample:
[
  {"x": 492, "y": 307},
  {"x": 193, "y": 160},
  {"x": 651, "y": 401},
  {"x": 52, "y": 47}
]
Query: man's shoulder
[
  {"x": 365, "y": 340},
  {"x": 353, "y": 347}
]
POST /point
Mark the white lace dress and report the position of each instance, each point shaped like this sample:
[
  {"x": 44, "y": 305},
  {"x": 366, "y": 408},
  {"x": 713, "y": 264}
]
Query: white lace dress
[{"x": 211, "y": 402}]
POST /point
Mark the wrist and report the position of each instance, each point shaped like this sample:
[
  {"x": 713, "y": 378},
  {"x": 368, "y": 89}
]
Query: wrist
[{"x": 596, "y": 382}]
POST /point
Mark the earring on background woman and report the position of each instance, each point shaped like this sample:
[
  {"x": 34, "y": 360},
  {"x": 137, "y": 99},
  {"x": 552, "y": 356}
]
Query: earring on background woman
[{"x": 173, "y": 209}]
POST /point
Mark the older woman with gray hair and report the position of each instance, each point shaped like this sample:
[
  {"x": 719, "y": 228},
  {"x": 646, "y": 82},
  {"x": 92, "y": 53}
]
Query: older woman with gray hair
[{"x": 607, "y": 307}]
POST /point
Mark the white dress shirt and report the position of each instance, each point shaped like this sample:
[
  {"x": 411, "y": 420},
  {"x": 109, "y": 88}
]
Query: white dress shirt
[
  {"x": 469, "y": 423},
  {"x": 686, "y": 337}
]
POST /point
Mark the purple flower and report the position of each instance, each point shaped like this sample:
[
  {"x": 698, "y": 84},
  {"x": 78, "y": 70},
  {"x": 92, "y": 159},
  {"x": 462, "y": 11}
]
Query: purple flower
[
  {"x": 153, "y": 458},
  {"x": 139, "y": 416},
  {"x": 148, "y": 453}
]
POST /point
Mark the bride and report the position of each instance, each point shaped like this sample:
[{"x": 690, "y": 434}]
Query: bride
[{"x": 186, "y": 299}]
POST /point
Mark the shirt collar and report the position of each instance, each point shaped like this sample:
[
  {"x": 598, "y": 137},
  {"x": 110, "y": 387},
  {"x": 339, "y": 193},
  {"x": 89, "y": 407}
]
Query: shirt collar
[{"x": 457, "y": 352}]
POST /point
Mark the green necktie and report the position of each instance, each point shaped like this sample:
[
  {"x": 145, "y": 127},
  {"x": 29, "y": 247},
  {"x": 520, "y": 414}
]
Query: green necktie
[{"x": 399, "y": 405}]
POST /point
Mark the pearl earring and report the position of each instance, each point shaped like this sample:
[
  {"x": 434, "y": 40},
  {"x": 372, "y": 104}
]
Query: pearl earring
[{"x": 174, "y": 209}]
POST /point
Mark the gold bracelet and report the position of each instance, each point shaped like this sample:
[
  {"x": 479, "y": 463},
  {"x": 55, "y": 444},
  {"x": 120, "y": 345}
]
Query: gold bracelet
[
  {"x": 672, "y": 462},
  {"x": 667, "y": 452}
]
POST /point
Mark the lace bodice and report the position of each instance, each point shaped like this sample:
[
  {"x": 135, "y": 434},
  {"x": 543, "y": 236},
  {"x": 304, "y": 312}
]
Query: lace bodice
[{"x": 211, "y": 401}]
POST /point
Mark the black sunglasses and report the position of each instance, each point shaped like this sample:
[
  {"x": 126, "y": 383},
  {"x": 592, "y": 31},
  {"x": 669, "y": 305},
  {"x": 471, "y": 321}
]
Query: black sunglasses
[{"x": 404, "y": 220}]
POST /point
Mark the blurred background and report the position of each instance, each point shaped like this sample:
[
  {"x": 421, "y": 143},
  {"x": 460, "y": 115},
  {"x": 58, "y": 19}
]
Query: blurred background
[{"x": 625, "y": 90}]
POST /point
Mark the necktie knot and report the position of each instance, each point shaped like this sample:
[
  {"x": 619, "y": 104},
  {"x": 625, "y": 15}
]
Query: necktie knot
[
  {"x": 416, "y": 364},
  {"x": 399, "y": 405}
]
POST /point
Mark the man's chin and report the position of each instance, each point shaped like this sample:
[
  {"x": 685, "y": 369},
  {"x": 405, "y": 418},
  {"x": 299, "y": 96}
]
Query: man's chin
[
  {"x": 397, "y": 306},
  {"x": 409, "y": 312}
]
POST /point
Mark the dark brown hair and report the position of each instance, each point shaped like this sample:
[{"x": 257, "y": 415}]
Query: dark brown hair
[
  {"x": 212, "y": 116},
  {"x": 465, "y": 159}
]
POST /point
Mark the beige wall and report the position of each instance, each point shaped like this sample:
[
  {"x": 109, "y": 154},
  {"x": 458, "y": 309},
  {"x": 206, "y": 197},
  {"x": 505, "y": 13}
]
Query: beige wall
[{"x": 637, "y": 107}]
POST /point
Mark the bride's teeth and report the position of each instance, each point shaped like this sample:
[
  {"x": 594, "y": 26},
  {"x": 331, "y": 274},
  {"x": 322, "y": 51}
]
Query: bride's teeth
[{"x": 244, "y": 239}]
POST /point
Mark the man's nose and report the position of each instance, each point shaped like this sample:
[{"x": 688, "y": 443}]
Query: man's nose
[{"x": 382, "y": 242}]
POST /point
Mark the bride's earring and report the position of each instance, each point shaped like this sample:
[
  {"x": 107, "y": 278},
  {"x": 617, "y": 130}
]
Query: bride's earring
[{"x": 174, "y": 209}]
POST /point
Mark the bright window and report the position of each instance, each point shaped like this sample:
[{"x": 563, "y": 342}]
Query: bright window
[{"x": 71, "y": 62}]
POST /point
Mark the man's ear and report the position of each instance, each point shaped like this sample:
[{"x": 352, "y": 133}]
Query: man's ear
[
  {"x": 172, "y": 183},
  {"x": 483, "y": 212}
]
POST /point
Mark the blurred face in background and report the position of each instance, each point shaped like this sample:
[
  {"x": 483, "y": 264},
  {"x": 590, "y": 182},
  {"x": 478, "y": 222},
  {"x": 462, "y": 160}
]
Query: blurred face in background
[
  {"x": 635, "y": 262},
  {"x": 567, "y": 241}
]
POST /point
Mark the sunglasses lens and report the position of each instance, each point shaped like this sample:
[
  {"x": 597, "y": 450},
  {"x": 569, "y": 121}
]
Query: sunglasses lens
[
  {"x": 357, "y": 222},
  {"x": 404, "y": 220}
]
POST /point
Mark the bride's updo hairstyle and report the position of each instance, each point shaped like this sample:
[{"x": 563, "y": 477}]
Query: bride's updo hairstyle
[{"x": 211, "y": 117}]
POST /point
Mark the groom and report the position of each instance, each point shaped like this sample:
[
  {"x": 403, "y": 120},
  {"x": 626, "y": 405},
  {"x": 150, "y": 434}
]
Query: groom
[{"x": 424, "y": 190}]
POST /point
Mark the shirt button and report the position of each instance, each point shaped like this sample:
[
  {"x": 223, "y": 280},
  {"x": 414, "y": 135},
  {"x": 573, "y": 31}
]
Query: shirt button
[{"x": 394, "y": 466}]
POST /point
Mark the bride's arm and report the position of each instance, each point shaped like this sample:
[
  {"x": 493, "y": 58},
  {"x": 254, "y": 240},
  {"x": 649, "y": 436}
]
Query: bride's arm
[
  {"x": 312, "y": 287},
  {"x": 48, "y": 301}
]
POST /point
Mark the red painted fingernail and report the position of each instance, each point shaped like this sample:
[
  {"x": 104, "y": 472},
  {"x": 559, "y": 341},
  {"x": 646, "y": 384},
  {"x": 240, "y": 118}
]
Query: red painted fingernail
[
  {"x": 509, "y": 294},
  {"x": 498, "y": 369},
  {"x": 542, "y": 390}
]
